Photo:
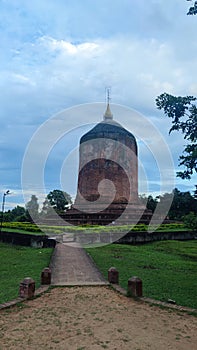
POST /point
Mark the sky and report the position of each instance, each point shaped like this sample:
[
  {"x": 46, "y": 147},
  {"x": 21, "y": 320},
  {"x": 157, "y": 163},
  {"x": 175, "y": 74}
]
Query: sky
[{"x": 56, "y": 55}]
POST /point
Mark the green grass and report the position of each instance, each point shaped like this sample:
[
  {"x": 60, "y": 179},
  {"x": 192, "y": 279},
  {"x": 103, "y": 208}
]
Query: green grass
[
  {"x": 26, "y": 227},
  {"x": 22, "y": 231},
  {"x": 168, "y": 269},
  {"x": 18, "y": 262}
]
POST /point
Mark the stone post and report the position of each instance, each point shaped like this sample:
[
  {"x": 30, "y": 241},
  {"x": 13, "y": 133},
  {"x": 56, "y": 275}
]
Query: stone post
[
  {"x": 135, "y": 287},
  {"x": 27, "y": 288},
  {"x": 46, "y": 276},
  {"x": 113, "y": 275}
]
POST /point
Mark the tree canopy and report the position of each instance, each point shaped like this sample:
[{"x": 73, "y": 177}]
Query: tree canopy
[
  {"x": 193, "y": 9},
  {"x": 149, "y": 201},
  {"x": 59, "y": 200},
  {"x": 183, "y": 203},
  {"x": 183, "y": 113},
  {"x": 56, "y": 199}
]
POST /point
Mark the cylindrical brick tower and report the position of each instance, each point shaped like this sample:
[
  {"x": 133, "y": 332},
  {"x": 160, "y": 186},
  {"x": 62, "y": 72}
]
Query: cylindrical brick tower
[
  {"x": 108, "y": 152},
  {"x": 108, "y": 177}
]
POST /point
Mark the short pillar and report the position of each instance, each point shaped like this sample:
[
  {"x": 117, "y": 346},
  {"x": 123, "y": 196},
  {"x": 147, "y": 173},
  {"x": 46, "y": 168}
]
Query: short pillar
[
  {"x": 113, "y": 275},
  {"x": 27, "y": 288},
  {"x": 46, "y": 276},
  {"x": 135, "y": 287}
]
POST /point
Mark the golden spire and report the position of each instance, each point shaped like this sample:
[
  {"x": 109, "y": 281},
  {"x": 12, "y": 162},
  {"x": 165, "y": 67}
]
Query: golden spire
[{"x": 108, "y": 114}]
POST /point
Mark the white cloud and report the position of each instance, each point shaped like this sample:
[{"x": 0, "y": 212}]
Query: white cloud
[
  {"x": 58, "y": 54},
  {"x": 21, "y": 79},
  {"x": 69, "y": 48},
  {"x": 137, "y": 70}
]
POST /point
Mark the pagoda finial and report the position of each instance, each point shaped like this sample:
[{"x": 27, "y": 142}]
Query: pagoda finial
[
  {"x": 108, "y": 114},
  {"x": 108, "y": 92}
]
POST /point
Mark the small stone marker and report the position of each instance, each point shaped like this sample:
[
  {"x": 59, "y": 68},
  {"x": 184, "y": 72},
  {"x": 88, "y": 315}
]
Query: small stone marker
[
  {"x": 113, "y": 275},
  {"x": 135, "y": 286},
  {"x": 27, "y": 288},
  {"x": 46, "y": 276}
]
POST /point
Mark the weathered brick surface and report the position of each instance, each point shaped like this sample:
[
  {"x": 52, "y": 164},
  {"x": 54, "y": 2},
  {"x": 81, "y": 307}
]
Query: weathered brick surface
[
  {"x": 135, "y": 286},
  {"x": 27, "y": 288},
  {"x": 100, "y": 159},
  {"x": 113, "y": 275},
  {"x": 46, "y": 276},
  {"x": 108, "y": 178}
]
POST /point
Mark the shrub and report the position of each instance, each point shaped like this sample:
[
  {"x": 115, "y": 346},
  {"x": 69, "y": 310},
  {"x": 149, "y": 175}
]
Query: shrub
[{"x": 190, "y": 221}]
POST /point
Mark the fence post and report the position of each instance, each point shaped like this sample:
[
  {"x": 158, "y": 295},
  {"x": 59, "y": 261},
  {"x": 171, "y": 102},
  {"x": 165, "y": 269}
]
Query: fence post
[
  {"x": 135, "y": 286},
  {"x": 113, "y": 275},
  {"x": 27, "y": 288}
]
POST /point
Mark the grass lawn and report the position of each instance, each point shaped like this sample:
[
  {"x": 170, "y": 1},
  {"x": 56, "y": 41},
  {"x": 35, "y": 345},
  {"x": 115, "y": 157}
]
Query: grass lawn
[
  {"x": 168, "y": 269},
  {"x": 18, "y": 262},
  {"x": 30, "y": 228},
  {"x": 22, "y": 231}
]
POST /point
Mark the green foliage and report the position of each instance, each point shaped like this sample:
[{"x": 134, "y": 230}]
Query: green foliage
[
  {"x": 193, "y": 9},
  {"x": 170, "y": 227},
  {"x": 190, "y": 221},
  {"x": 24, "y": 226},
  {"x": 149, "y": 202},
  {"x": 59, "y": 200},
  {"x": 56, "y": 199},
  {"x": 167, "y": 269},
  {"x": 182, "y": 204},
  {"x": 16, "y": 263},
  {"x": 17, "y": 214},
  {"x": 184, "y": 118},
  {"x": 18, "y": 211},
  {"x": 32, "y": 228}
]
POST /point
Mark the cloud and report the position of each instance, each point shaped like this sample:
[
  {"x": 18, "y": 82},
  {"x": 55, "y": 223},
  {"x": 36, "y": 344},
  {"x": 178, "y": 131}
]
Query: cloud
[
  {"x": 137, "y": 70},
  {"x": 60, "y": 54}
]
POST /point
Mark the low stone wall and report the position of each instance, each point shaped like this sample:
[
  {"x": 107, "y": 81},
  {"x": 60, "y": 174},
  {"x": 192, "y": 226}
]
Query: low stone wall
[
  {"x": 132, "y": 237},
  {"x": 28, "y": 240},
  {"x": 145, "y": 237}
]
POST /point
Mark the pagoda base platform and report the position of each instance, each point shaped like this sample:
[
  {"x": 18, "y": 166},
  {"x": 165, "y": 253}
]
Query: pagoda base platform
[{"x": 116, "y": 213}]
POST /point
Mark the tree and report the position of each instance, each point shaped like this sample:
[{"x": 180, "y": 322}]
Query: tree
[
  {"x": 183, "y": 112},
  {"x": 195, "y": 192},
  {"x": 19, "y": 214},
  {"x": 149, "y": 201},
  {"x": 18, "y": 211},
  {"x": 7, "y": 216},
  {"x": 190, "y": 220},
  {"x": 32, "y": 208},
  {"x": 59, "y": 200},
  {"x": 192, "y": 9},
  {"x": 182, "y": 204}
]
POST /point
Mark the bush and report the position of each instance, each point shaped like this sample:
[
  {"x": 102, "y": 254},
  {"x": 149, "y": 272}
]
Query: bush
[{"x": 190, "y": 221}]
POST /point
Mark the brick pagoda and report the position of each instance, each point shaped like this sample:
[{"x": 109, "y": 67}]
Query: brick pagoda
[{"x": 108, "y": 177}]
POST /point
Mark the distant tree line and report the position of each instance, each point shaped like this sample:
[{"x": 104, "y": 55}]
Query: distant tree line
[
  {"x": 183, "y": 204},
  {"x": 56, "y": 200}
]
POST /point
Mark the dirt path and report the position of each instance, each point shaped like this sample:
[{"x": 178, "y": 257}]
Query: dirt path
[{"x": 84, "y": 318}]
